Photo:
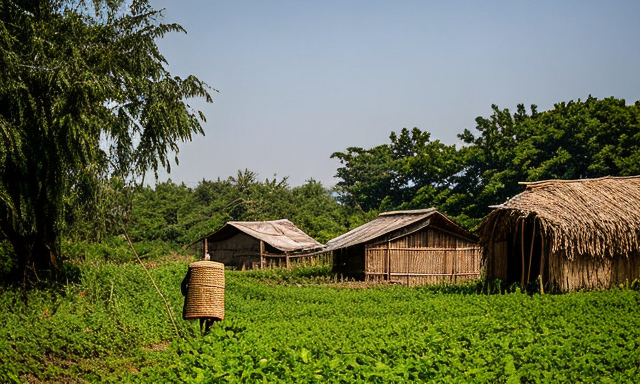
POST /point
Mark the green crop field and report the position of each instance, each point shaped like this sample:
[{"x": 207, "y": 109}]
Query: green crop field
[{"x": 104, "y": 322}]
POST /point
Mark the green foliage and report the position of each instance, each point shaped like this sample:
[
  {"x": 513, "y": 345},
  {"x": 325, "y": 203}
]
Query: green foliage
[
  {"x": 180, "y": 215},
  {"x": 116, "y": 249},
  {"x": 298, "y": 274},
  {"x": 574, "y": 140},
  {"x": 578, "y": 139},
  {"x": 108, "y": 325},
  {"x": 389, "y": 175},
  {"x": 109, "y": 310},
  {"x": 84, "y": 96}
]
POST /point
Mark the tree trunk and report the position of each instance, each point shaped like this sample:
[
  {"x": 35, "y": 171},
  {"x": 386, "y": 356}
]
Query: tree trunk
[{"x": 34, "y": 252}]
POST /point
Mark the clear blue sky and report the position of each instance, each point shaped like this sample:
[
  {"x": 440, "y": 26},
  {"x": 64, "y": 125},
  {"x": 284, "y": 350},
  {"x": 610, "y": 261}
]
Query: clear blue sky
[{"x": 300, "y": 80}]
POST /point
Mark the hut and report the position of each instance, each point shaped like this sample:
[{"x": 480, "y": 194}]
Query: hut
[
  {"x": 409, "y": 247},
  {"x": 252, "y": 244},
  {"x": 569, "y": 234}
]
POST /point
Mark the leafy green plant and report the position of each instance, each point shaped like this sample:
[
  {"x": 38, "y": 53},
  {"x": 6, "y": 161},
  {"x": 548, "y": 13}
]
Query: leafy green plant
[{"x": 108, "y": 325}]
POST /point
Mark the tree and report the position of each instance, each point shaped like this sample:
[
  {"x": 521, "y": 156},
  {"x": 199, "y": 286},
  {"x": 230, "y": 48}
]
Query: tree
[
  {"x": 574, "y": 140},
  {"x": 390, "y": 175},
  {"x": 85, "y": 96}
]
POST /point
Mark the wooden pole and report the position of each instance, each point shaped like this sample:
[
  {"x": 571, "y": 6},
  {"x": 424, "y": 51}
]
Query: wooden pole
[
  {"x": 533, "y": 238},
  {"x": 262, "y": 261},
  {"x": 408, "y": 266},
  {"x": 522, "y": 249},
  {"x": 542, "y": 264},
  {"x": 388, "y": 261},
  {"x": 205, "y": 248},
  {"x": 288, "y": 262},
  {"x": 454, "y": 267}
]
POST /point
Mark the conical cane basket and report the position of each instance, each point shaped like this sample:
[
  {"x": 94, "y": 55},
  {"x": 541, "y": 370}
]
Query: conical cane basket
[{"x": 205, "y": 294}]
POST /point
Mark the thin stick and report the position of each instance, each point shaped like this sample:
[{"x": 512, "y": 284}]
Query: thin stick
[
  {"x": 541, "y": 260},
  {"x": 533, "y": 238},
  {"x": 166, "y": 303},
  {"x": 522, "y": 248},
  {"x": 262, "y": 260}
]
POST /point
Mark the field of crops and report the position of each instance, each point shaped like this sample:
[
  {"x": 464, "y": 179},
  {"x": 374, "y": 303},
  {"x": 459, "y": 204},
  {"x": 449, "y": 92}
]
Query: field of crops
[{"x": 106, "y": 323}]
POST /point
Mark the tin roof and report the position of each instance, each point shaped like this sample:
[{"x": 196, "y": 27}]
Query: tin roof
[
  {"x": 388, "y": 222},
  {"x": 280, "y": 234}
]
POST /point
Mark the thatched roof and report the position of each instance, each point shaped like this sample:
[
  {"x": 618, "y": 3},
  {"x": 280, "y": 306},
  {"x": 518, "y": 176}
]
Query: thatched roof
[
  {"x": 280, "y": 234},
  {"x": 400, "y": 222},
  {"x": 594, "y": 217}
]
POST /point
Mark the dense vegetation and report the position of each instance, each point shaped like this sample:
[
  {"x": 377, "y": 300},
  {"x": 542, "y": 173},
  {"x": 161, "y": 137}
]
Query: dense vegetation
[
  {"x": 575, "y": 139},
  {"x": 104, "y": 323},
  {"x": 180, "y": 215},
  {"x": 85, "y": 98},
  {"x": 590, "y": 138}
]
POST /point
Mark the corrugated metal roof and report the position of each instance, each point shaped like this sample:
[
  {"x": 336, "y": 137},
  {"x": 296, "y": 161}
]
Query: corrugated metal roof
[
  {"x": 280, "y": 234},
  {"x": 385, "y": 223}
]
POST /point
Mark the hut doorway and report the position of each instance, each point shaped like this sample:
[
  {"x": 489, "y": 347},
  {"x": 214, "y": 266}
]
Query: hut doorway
[{"x": 526, "y": 263}]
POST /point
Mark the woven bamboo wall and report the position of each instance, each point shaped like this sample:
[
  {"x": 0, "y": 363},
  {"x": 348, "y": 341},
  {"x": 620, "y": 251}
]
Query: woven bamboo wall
[
  {"x": 497, "y": 261},
  {"x": 429, "y": 256},
  {"x": 591, "y": 273}
]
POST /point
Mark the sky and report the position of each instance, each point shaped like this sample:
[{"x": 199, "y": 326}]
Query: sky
[{"x": 300, "y": 80}]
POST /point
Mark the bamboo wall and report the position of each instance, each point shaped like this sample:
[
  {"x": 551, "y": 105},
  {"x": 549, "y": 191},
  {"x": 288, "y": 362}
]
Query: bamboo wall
[
  {"x": 590, "y": 273},
  {"x": 429, "y": 256},
  {"x": 496, "y": 264}
]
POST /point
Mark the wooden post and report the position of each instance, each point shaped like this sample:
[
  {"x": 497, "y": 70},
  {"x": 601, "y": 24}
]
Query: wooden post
[
  {"x": 444, "y": 267},
  {"x": 533, "y": 238},
  {"x": 288, "y": 262},
  {"x": 522, "y": 248},
  {"x": 262, "y": 261},
  {"x": 542, "y": 264},
  {"x": 388, "y": 261},
  {"x": 454, "y": 266},
  {"x": 408, "y": 266},
  {"x": 205, "y": 248}
]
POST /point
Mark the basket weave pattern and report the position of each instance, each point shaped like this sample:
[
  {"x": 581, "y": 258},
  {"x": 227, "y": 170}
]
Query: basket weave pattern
[{"x": 205, "y": 296}]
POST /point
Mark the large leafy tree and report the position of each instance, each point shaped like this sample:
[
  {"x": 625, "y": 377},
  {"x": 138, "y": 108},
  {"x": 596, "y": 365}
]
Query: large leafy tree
[
  {"x": 390, "y": 175},
  {"x": 85, "y": 96},
  {"x": 574, "y": 140}
]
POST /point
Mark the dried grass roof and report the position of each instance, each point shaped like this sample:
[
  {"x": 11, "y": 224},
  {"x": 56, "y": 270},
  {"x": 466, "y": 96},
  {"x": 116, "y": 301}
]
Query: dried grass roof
[
  {"x": 280, "y": 234},
  {"x": 595, "y": 217},
  {"x": 388, "y": 222}
]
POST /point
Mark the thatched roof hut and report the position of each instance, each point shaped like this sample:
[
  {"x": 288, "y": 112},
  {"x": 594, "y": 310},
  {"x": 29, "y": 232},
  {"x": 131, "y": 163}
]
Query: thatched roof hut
[
  {"x": 410, "y": 247},
  {"x": 249, "y": 244},
  {"x": 575, "y": 234}
]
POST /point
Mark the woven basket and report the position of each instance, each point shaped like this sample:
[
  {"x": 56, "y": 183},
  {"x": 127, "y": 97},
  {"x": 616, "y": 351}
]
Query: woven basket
[{"x": 205, "y": 295}]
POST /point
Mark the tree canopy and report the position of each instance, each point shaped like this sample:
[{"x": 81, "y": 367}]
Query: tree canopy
[
  {"x": 85, "y": 96},
  {"x": 576, "y": 139},
  {"x": 180, "y": 215}
]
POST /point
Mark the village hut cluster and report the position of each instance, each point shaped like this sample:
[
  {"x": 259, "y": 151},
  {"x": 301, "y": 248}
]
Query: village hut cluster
[{"x": 562, "y": 234}]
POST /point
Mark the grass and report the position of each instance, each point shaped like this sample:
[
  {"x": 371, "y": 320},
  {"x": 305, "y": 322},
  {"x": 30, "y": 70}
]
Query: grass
[{"x": 107, "y": 324}]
